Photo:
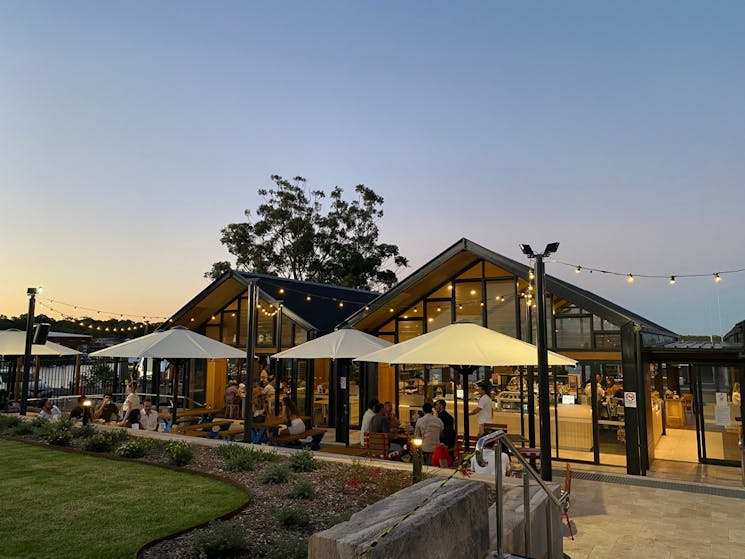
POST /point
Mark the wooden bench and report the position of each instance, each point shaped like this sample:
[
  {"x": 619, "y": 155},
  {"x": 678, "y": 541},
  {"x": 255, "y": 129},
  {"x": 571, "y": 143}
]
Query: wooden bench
[
  {"x": 315, "y": 434},
  {"x": 207, "y": 425},
  {"x": 231, "y": 433}
]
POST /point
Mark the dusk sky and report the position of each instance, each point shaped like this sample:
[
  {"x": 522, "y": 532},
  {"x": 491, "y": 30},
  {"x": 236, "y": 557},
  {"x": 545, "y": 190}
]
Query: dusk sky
[{"x": 132, "y": 132}]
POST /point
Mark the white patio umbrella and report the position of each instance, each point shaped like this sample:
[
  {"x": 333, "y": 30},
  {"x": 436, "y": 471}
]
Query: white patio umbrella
[
  {"x": 464, "y": 344},
  {"x": 13, "y": 342},
  {"x": 346, "y": 343},
  {"x": 175, "y": 344}
]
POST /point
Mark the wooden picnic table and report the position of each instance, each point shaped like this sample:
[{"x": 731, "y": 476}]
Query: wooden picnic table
[
  {"x": 207, "y": 424},
  {"x": 196, "y": 412}
]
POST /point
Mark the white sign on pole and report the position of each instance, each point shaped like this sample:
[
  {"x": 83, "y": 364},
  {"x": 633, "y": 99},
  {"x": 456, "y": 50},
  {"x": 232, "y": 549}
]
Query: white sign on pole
[
  {"x": 629, "y": 399},
  {"x": 343, "y": 383},
  {"x": 721, "y": 398}
]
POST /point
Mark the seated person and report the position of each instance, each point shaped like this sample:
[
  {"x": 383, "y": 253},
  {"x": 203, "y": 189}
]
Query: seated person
[
  {"x": 393, "y": 422},
  {"x": 441, "y": 457},
  {"x": 379, "y": 423},
  {"x": 82, "y": 412},
  {"x": 49, "y": 411},
  {"x": 108, "y": 411},
  {"x": 133, "y": 420},
  {"x": 148, "y": 416},
  {"x": 295, "y": 424},
  {"x": 261, "y": 409}
]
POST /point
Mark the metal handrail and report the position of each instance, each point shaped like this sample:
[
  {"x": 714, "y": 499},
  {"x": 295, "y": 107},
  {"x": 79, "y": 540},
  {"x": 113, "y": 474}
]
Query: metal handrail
[{"x": 500, "y": 437}]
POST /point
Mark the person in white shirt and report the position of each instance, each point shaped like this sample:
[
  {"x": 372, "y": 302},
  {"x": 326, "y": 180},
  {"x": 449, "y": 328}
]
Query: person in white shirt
[
  {"x": 367, "y": 419},
  {"x": 148, "y": 416},
  {"x": 132, "y": 401},
  {"x": 483, "y": 408},
  {"x": 295, "y": 424},
  {"x": 49, "y": 411}
]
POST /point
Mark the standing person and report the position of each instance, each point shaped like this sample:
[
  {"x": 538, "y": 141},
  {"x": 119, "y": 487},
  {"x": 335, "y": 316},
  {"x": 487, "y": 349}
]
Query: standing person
[
  {"x": 429, "y": 428},
  {"x": 148, "y": 416},
  {"x": 448, "y": 424},
  {"x": 49, "y": 411},
  {"x": 132, "y": 402},
  {"x": 367, "y": 419},
  {"x": 482, "y": 411},
  {"x": 295, "y": 424},
  {"x": 108, "y": 411},
  {"x": 133, "y": 420}
]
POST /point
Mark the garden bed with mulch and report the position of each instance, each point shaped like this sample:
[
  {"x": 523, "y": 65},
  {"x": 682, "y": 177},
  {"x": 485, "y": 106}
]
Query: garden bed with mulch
[{"x": 291, "y": 497}]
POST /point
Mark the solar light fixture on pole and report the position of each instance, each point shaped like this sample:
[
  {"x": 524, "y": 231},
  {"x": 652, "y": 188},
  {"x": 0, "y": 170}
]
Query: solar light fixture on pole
[
  {"x": 416, "y": 459},
  {"x": 544, "y": 412},
  {"x": 31, "y": 292}
]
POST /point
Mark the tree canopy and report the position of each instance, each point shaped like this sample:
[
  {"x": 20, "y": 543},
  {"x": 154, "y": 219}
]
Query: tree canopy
[{"x": 296, "y": 235}]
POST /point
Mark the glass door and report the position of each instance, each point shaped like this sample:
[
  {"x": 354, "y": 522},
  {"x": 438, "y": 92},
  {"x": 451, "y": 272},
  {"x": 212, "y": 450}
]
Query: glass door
[{"x": 717, "y": 407}]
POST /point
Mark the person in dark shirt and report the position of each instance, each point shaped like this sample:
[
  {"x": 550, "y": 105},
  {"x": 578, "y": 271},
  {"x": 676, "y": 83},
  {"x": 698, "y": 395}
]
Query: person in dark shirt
[
  {"x": 107, "y": 410},
  {"x": 448, "y": 432},
  {"x": 82, "y": 412},
  {"x": 379, "y": 423}
]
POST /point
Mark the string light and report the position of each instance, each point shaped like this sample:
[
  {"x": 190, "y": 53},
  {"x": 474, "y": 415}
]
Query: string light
[
  {"x": 630, "y": 278},
  {"x": 717, "y": 276}
]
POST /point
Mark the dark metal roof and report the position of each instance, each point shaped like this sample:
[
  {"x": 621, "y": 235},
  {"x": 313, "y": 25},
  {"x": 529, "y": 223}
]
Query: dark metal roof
[
  {"x": 682, "y": 344},
  {"x": 323, "y": 310},
  {"x": 581, "y": 297}
]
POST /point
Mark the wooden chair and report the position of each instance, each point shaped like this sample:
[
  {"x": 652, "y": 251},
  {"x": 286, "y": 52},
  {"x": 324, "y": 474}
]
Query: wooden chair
[
  {"x": 232, "y": 407},
  {"x": 460, "y": 447},
  {"x": 687, "y": 403},
  {"x": 378, "y": 447}
]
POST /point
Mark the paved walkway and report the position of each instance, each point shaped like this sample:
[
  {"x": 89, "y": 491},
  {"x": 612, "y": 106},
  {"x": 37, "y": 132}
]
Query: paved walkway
[{"x": 615, "y": 520}]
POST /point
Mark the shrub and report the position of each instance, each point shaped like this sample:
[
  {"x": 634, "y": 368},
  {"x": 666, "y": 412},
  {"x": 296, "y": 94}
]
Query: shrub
[
  {"x": 292, "y": 517},
  {"x": 84, "y": 431},
  {"x": 105, "y": 441},
  {"x": 303, "y": 461},
  {"x": 24, "y": 428},
  {"x": 238, "y": 458},
  {"x": 178, "y": 453},
  {"x": 8, "y": 422},
  {"x": 59, "y": 433},
  {"x": 304, "y": 489},
  {"x": 293, "y": 547},
  {"x": 136, "y": 447},
  {"x": 276, "y": 473},
  {"x": 219, "y": 539}
]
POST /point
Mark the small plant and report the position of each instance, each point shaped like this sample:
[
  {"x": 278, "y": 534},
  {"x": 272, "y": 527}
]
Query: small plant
[
  {"x": 238, "y": 458},
  {"x": 137, "y": 447},
  {"x": 84, "y": 431},
  {"x": 59, "y": 433},
  {"x": 178, "y": 453},
  {"x": 304, "y": 489},
  {"x": 292, "y": 547},
  {"x": 219, "y": 539},
  {"x": 105, "y": 441},
  {"x": 24, "y": 429},
  {"x": 303, "y": 461},
  {"x": 276, "y": 473},
  {"x": 292, "y": 517}
]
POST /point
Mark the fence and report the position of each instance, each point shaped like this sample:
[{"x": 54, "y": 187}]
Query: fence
[{"x": 62, "y": 377}]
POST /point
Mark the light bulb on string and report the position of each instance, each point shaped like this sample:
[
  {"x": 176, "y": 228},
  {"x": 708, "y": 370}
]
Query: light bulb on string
[
  {"x": 578, "y": 270},
  {"x": 630, "y": 278},
  {"x": 672, "y": 280},
  {"x": 717, "y": 277}
]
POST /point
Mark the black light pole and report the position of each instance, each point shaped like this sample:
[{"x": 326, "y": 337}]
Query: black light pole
[
  {"x": 31, "y": 292},
  {"x": 544, "y": 411}
]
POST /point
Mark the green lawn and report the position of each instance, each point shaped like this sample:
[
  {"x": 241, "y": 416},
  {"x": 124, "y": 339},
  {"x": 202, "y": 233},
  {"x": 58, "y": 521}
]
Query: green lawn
[{"x": 60, "y": 504}]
